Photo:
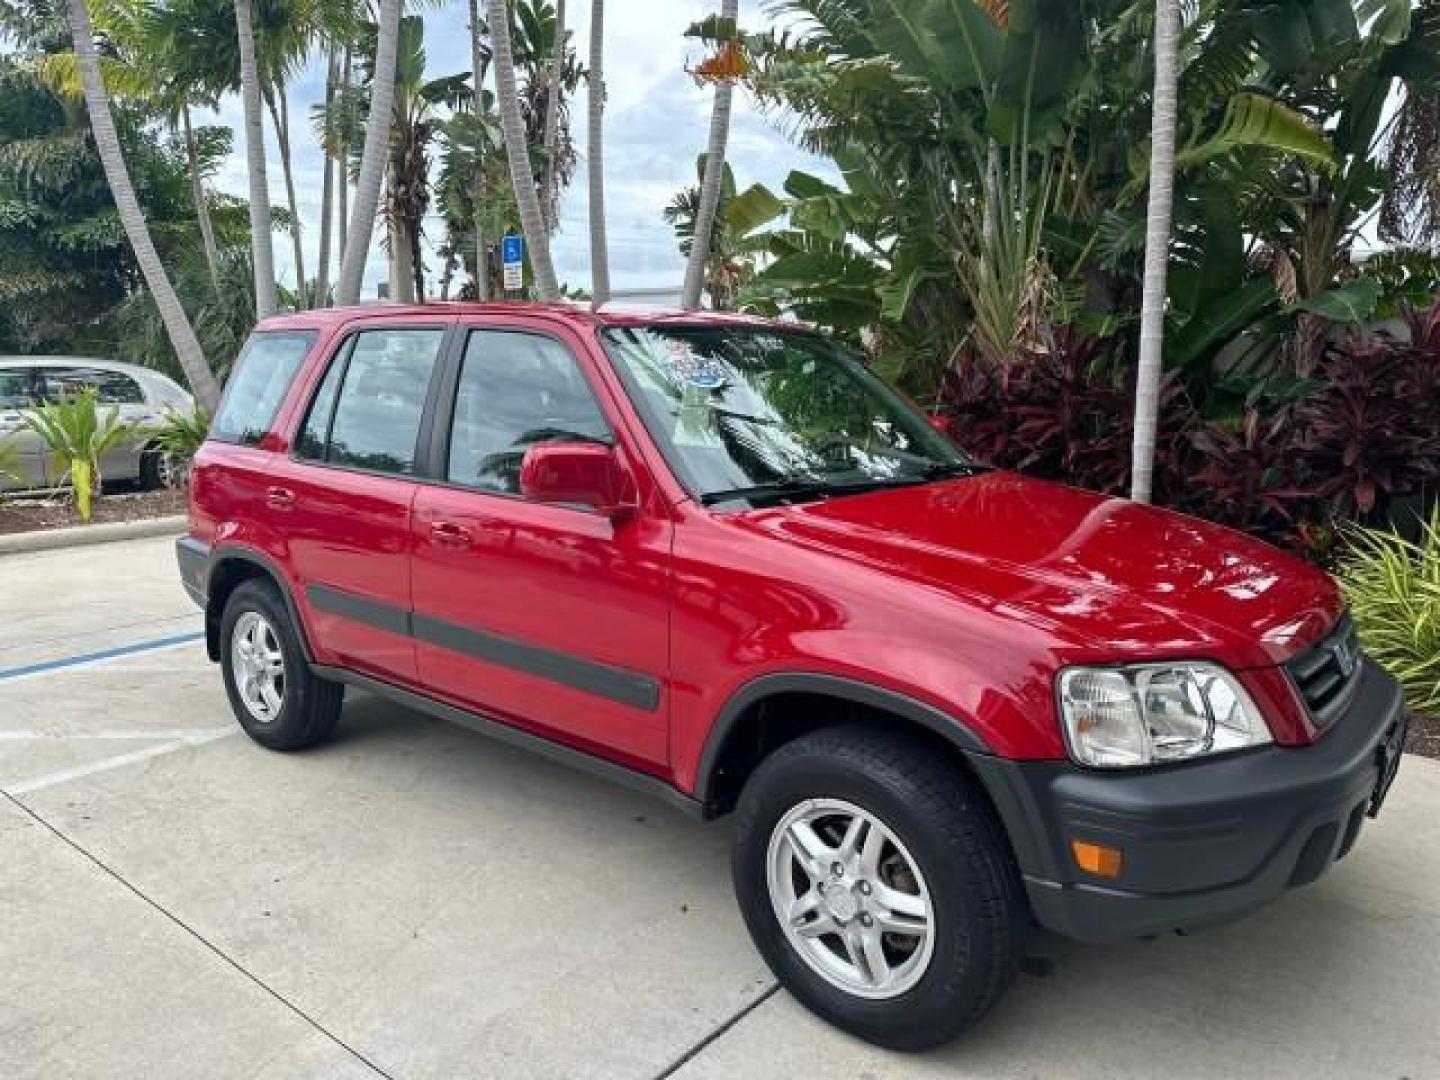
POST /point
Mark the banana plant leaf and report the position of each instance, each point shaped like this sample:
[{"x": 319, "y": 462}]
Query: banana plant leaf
[
  {"x": 1217, "y": 322},
  {"x": 1353, "y": 302},
  {"x": 1253, "y": 119},
  {"x": 1043, "y": 59},
  {"x": 952, "y": 42}
]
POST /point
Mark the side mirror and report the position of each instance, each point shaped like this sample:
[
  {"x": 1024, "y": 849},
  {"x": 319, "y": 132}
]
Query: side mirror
[{"x": 577, "y": 474}]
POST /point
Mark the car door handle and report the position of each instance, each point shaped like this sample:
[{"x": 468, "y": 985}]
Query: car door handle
[
  {"x": 450, "y": 534},
  {"x": 279, "y": 498}
]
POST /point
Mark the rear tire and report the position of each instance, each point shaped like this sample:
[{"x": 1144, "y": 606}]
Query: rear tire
[
  {"x": 278, "y": 700},
  {"x": 159, "y": 470},
  {"x": 915, "y": 928}
]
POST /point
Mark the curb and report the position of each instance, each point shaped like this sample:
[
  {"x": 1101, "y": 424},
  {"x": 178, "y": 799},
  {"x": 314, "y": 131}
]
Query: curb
[{"x": 80, "y": 535}]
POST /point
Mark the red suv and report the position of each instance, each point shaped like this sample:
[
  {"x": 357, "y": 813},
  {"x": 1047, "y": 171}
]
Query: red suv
[{"x": 718, "y": 559}]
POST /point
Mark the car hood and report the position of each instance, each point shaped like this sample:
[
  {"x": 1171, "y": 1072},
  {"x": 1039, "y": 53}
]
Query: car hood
[{"x": 1104, "y": 577}]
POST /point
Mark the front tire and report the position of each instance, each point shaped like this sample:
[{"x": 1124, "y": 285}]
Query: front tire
[
  {"x": 279, "y": 702},
  {"x": 878, "y": 884}
]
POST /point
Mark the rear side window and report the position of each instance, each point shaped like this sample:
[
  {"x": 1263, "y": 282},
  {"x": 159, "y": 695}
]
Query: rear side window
[
  {"x": 263, "y": 372},
  {"x": 111, "y": 387},
  {"x": 367, "y": 412},
  {"x": 15, "y": 390}
]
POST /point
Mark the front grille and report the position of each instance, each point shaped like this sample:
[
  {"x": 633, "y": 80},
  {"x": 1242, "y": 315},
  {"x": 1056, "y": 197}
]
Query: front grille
[{"x": 1326, "y": 673}]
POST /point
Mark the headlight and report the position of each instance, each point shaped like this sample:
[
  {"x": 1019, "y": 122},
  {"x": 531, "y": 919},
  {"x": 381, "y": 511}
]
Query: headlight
[{"x": 1149, "y": 714}]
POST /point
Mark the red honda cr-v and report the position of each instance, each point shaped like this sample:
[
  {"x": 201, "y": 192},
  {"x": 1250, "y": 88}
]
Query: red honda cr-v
[{"x": 717, "y": 558}]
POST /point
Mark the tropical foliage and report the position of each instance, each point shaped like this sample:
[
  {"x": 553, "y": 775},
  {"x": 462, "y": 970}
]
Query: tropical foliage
[
  {"x": 1393, "y": 588},
  {"x": 65, "y": 263},
  {"x": 1349, "y": 444},
  {"x": 995, "y": 161},
  {"x": 735, "y": 236},
  {"x": 78, "y": 434}
]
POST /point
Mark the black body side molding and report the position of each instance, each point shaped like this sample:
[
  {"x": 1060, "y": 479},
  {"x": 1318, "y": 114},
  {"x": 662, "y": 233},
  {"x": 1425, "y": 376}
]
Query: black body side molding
[{"x": 495, "y": 729}]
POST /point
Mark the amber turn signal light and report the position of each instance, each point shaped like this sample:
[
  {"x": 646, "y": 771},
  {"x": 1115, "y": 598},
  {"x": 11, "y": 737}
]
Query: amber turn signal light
[{"x": 1098, "y": 859}]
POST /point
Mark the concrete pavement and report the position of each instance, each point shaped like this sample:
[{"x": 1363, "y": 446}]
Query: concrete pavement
[{"x": 413, "y": 901}]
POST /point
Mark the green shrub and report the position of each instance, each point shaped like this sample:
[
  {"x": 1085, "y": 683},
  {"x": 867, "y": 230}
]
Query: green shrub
[
  {"x": 9, "y": 461},
  {"x": 79, "y": 435},
  {"x": 178, "y": 436},
  {"x": 1393, "y": 588}
]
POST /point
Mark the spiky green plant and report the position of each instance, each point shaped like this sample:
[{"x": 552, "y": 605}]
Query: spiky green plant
[
  {"x": 9, "y": 463},
  {"x": 179, "y": 436},
  {"x": 1393, "y": 588},
  {"x": 79, "y": 434}
]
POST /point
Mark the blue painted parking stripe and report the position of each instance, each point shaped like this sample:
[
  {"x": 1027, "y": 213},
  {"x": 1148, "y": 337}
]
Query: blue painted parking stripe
[{"x": 103, "y": 654}]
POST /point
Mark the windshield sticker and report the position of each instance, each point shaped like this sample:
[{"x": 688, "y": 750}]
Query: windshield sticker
[
  {"x": 695, "y": 419},
  {"x": 692, "y": 369}
]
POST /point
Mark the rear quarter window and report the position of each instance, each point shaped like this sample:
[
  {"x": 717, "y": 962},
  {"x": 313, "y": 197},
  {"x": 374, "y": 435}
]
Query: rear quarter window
[{"x": 262, "y": 375}]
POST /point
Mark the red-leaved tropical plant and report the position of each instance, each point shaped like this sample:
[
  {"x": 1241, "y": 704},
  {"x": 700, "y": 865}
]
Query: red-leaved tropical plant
[{"x": 1370, "y": 432}]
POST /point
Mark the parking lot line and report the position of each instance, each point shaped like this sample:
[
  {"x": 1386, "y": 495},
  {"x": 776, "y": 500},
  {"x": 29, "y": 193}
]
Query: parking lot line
[
  {"x": 175, "y": 919},
  {"x": 61, "y": 776},
  {"x": 103, "y": 656}
]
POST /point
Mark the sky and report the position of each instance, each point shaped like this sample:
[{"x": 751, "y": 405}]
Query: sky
[{"x": 656, "y": 122}]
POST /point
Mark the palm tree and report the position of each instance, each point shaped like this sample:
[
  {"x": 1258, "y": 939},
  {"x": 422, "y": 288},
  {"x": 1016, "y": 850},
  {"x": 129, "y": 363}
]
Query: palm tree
[
  {"x": 599, "y": 254},
  {"x": 342, "y": 159},
  {"x": 548, "y": 202},
  {"x": 267, "y": 301},
  {"x": 280, "y": 120},
  {"x": 373, "y": 156},
  {"x": 147, "y": 34},
  {"x": 517, "y": 151},
  {"x": 714, "y": 167},
  {"x": 327, "y": 184},
  {"x": 407, "y": 190},
  {"x": 197, "y": 192},
  {"x": 132, "y": 218},
  {"x": 1163, "y": 111},
  {"x": 477, "y": 73}
]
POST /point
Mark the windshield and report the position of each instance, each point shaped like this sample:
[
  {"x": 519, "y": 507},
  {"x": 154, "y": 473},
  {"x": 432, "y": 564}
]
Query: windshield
[{"x": 749, "y": 414}]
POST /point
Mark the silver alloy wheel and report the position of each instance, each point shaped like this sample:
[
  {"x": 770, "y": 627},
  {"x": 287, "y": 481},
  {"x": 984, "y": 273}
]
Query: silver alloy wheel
[
  {"x": 850, "y": 898},
  {"x": 258, "y": 666},
  {"x": 172, "y": 469}
]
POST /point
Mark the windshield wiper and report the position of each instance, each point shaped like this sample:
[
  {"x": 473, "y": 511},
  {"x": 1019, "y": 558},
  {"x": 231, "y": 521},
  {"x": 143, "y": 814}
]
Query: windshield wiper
[
  {"x": 814, "y": 487},
  {"x": 797, "y": 486},
  {"x": 944, "y": 470}
]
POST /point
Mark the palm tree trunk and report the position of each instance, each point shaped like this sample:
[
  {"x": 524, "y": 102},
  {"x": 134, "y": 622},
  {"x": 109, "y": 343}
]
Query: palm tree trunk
[
  {"x": 267, "y": 301},
  {"x": 599, "y": 248},
  {"x": 482, "y": 251},
  {"x": 327, "y": 186},
  {"x": 517, "y": 152},
  {"x": 417, "y": 259},
  {"x": 552, "y": 118},
  {"x": 447, "y": 274},
  {"x": 1157, "y": 247},
  {"x": 342, "y": 162},
  {"x": 280, "y": 118},
  {"x": 132, "y": 218},
  {"x": 197, "y": 192},
  {"x": 714, "y": 176},
  {"x": 402, "y": 275},
  {"x": 373, "y": 157}
]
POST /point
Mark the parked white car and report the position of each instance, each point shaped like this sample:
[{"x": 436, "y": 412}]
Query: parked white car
[{"x": 139, "y": 394}]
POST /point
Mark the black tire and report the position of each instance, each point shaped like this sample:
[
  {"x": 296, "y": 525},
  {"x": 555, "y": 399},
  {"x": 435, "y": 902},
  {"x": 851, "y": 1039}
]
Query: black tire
[
  {"x": 152, "y": 473},
  {"x": 947, "y": 824},
  {"x": 310, "y": 706}
]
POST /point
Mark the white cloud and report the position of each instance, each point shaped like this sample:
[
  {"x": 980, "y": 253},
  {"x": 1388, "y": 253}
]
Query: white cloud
[{"x": 656, "y": 122}]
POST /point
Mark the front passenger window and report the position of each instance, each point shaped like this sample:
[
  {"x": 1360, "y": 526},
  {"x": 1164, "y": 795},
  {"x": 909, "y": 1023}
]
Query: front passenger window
[{"x": 516, "y": 390}]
